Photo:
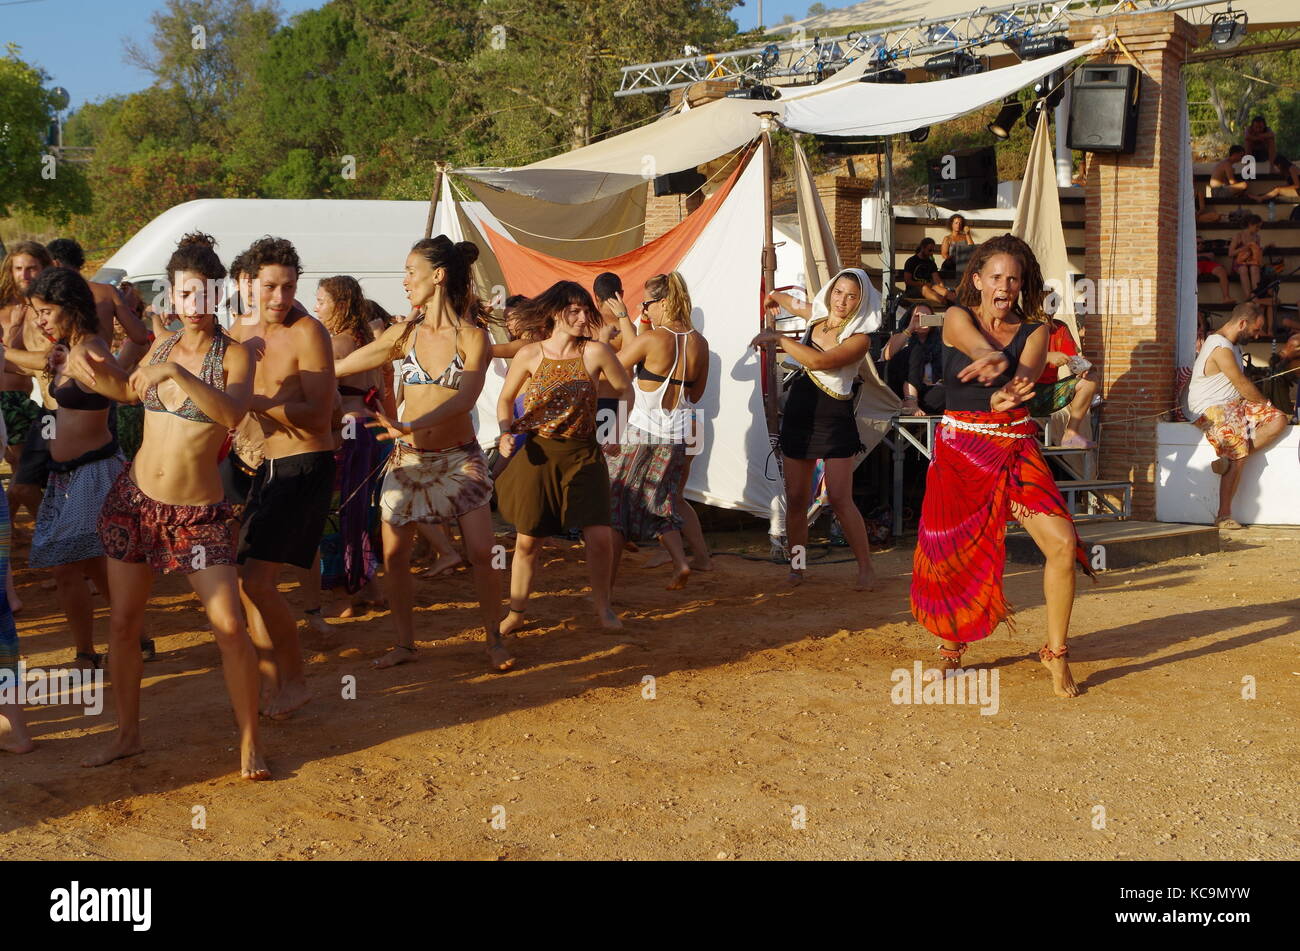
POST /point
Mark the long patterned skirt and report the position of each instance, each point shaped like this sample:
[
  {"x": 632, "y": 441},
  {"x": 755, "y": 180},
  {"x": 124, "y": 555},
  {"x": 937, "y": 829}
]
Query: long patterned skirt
[
  {"x": 643, "y": 482},
  {"x": 977, "y": 480},
  {"x": 349, "y": 548}
]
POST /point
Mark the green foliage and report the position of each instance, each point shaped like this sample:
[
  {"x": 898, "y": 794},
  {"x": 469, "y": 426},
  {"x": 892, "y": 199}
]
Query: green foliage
[
  {"x": 29, "y": 180},
  {"x": 1224, "y": 95}
]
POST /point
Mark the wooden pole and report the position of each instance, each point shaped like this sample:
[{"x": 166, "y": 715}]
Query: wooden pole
[{"x": 771, "y": 401}]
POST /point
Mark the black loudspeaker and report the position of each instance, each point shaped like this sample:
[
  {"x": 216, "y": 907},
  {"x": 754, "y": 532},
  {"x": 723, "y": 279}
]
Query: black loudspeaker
[
  {"x": 1104, "y": 109},
  {"x": 965, "y": 180},
  {"x": 679, "y": 183}
]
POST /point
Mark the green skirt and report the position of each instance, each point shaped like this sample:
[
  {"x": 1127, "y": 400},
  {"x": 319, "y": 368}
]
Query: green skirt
[{"x": 554, "y": 485}]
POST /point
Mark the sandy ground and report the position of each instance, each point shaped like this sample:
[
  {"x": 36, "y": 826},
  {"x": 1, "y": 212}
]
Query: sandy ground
[{"x": 769, "y": 732}]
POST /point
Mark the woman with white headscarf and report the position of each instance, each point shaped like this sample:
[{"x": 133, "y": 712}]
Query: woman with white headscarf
[{"x": 818, "y": 420}]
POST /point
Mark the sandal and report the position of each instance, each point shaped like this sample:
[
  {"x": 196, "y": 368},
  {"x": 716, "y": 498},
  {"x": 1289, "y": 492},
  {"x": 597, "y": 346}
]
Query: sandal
[
  {"x": 1229, "y": 523},
  {"x": 1045, "y": 653},
  {"x": 94, "y": 659}
]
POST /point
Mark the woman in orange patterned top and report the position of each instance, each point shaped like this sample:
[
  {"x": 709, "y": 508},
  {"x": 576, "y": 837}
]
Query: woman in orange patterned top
[{"x": 557, "y": 480}]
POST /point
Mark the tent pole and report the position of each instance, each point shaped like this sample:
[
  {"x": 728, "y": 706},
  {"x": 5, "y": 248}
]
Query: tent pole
[
  {"x": 771, "y": 407},
  {"x": 433, "y": 202},
  {"x": 887, "y": 238}
]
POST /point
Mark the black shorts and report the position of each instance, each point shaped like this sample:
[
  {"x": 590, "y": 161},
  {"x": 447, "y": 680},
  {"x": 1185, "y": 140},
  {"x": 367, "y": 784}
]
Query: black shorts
[
  {"x": 286, "y": 510},
  {"x": 34, "y": 463},
  {"x": 236, "y": 479}
]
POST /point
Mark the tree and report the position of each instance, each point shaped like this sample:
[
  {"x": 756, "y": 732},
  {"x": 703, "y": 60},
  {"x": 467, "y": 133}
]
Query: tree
[
  {"x": 1224, "y": 95},
  {"x": 31, "y": 177}
]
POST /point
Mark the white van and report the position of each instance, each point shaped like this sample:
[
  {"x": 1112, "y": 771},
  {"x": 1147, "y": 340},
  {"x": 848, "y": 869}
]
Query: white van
[{"x": 367, "y": 239}]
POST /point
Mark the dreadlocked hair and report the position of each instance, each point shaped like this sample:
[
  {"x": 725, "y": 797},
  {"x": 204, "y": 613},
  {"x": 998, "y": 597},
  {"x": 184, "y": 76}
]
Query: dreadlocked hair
[{"x": 1028, "y": 306}]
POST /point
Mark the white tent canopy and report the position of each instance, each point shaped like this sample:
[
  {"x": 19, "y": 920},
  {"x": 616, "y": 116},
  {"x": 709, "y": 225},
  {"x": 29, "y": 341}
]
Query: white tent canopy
[{"x": 839, "y": 106}]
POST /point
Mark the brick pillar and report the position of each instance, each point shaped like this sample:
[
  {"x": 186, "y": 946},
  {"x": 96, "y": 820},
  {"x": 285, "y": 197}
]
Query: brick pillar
[
  {"x": 665, "y": 213},
  {"x": 1132, "y": 222},
  {"x": 842, "y": 196}
]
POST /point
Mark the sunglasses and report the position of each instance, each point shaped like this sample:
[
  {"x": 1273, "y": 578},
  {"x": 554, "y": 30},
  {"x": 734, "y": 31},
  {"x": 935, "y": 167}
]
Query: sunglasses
[{"x": 645, "y": 304}]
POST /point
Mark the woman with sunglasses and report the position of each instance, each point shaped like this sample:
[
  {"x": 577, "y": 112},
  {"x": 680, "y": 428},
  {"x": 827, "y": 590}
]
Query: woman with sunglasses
[{"x": 558, "y": 480}]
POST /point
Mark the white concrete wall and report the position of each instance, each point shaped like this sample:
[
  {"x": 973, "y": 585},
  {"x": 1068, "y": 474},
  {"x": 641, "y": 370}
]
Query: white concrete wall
[{"x": 1187, "y": 491}]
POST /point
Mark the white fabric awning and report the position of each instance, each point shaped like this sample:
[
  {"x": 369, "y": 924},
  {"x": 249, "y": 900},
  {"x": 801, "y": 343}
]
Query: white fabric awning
[
  {"x": 860, "y": 109},
  {"x": 839, "y": 106}
]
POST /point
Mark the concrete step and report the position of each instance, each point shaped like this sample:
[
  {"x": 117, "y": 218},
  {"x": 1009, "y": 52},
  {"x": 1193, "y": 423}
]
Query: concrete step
[{"x": 1113, "y": 545}]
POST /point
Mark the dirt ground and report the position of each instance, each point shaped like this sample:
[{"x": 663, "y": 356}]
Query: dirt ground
[{"x": 768, "y": 731}]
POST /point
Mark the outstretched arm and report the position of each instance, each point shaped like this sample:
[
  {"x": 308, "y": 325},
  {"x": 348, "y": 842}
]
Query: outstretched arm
[{"x": 373, "y": 355}]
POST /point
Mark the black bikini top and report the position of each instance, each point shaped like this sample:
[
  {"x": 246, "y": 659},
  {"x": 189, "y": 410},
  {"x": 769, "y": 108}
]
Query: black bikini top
[
  {"x": 71, "y": 396},
  {"x": 643, "y": 374}
]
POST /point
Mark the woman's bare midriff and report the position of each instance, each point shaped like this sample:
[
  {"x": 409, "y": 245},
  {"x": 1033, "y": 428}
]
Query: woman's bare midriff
[
  {"x": 424, "y": 398},
  {"x": 77, "y": 432},
  {"x": 177, "y": 461}
]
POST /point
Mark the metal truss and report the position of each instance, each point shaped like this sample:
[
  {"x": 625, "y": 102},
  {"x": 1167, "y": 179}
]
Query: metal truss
[{"x": 804, "y": 60}]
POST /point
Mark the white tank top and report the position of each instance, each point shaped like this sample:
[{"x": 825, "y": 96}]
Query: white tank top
[
  {"x": 648, "y": 412},
  {"x": 1206, "y": 391}
]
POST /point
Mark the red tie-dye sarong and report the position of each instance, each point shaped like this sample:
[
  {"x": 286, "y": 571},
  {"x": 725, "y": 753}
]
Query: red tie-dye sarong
[{"x": 976, "y": 481}]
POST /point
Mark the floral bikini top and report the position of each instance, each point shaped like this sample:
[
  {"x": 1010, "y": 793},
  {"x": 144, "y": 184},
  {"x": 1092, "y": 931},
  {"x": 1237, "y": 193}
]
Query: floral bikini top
[
  {"x": 211, "y": 373},
  {"x": 560, "y": 402}
]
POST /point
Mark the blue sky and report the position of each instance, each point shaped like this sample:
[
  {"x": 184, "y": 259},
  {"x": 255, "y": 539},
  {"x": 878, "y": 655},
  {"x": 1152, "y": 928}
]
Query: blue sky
[{"x": 78, "y": 42}]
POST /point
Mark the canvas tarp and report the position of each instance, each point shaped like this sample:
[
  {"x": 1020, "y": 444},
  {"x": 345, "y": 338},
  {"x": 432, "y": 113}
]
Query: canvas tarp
[
  {"x": 1038, "y": 222},
  {"x": 603, "y": 228},
  {"x": 693, "y": 137}
]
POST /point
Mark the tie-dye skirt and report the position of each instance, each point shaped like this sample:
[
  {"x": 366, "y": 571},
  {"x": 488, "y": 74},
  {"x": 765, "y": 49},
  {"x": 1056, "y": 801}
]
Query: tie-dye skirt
[{"x": 977, "y": 480}]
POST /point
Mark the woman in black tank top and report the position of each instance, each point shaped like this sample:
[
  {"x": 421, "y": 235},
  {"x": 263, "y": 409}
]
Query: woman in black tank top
[{"x": 987, "y": 466}]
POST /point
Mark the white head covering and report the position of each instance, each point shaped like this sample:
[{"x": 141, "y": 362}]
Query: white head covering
[{"x": 839, "y": 383}]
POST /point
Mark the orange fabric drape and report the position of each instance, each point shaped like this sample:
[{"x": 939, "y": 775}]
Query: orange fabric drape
[{"x": 531, "y": 272}]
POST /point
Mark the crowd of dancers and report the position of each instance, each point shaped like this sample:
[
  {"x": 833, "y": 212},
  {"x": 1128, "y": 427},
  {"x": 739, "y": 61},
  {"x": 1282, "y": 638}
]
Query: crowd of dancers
[{"x": 328, "y": 443}]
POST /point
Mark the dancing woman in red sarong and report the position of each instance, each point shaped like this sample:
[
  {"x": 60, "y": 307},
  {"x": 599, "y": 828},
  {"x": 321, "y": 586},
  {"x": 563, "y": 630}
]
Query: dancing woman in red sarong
[{"x": 987, "y": 466}]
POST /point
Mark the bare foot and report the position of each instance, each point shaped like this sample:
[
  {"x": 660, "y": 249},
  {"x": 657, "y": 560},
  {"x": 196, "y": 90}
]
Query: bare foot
[
  {"x": 866, "y": 578},
  {"x": 499, "y": 657},
  {"x": 121, "y": 747},
  {"x": 1062, "y": 680},
  {"x": 513, "y": 622},
  {"x": 290, "y": 698},
  {"x": 251, "y": 764},
  {"x": 795, "y": 577},
  {"x": 657, "y": 559},
  {"x": 609, "y": 621},
  {"x": 398, "y": 655},
  {"x": 87, "y": 662},
  {"x": 320, "y": 636},
  {"x": 15, "y": 605},
  {"x": 679, "y": 579},
  {"x": 14, "y": 737},
  {"x": 702, "y": 564},
  {"x": 445, "y": 564}
]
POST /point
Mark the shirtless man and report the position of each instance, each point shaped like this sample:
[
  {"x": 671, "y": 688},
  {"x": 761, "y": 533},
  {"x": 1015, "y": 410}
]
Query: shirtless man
[
  {"x": 109, "y": 304},
  {"x": 293, "y": 400},
  {"x": 1224, "y": 182},
  {"x": 22, "y": 414}
]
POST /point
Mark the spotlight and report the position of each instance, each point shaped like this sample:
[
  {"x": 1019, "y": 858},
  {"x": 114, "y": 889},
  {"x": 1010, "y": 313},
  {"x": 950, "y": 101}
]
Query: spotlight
[
  {"x": 919, "y": 135},
  {"x": 1050, "y": 89},
  {"x": 754, "y": 92},
  {"x": 939, "y": 34},
  {"x": 1228, "y": 29},
  {"x": 955, "y": 63},
  {"x": 1011, "y": 111},
  {"x": 1036, "y": 47},
  {"x": 1031, "y": 117}
]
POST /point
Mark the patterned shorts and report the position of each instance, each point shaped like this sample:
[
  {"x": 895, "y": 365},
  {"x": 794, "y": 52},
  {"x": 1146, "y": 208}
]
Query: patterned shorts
[
  {"x": 20, "y": 411},
  {"x": 1230, "y": 427},
  {"x": 171, "y": 538}
]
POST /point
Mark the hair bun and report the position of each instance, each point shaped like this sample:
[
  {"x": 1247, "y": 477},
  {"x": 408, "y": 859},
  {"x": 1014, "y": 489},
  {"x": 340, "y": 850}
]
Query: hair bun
[
  {"x": 468, "y": 251},
  {"x": 197, "y": 238}
]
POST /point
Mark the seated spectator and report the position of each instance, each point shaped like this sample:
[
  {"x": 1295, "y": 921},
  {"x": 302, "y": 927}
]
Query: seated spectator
[
  {"x": 1224, "y": 182},
  {"x": 1246, "y": 254},
  {"x": 1236, "y": 418},
  {"x": 958, "y": 245},
  {"x": 1288, "y": 361},
  {"x": 1260, "y": 141},
  {"x": 921, "y": 276},
  {"x": 1204, "y": 217},
  {"x": 1052, "y": 393},
  {"x": 915, "y": 364},
  {"x": 1207, "y": 264},
  {"x": 1290, "y": 188}
]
